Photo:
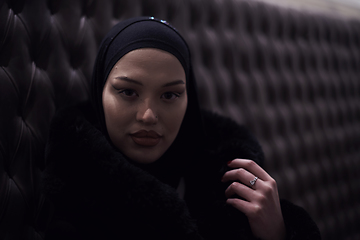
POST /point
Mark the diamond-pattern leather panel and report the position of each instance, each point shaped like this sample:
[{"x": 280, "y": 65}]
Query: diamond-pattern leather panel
[{"x": 292, "y": 77}]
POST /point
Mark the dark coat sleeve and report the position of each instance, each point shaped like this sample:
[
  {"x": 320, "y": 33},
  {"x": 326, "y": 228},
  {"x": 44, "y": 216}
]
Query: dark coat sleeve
[
  {"x": 298, "y": 222},
  {"x": 226, "y": 140},
  {"x": 97, "y": 194}
]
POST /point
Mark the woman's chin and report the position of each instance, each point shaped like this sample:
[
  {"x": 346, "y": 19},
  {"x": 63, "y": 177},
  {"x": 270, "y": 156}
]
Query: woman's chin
[
  {"x": 144, "y": 154},
  {"x": 143, "y": 158}
]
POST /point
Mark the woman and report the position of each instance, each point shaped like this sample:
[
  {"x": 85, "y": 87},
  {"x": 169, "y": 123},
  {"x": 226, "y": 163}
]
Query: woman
[{"x": 151, "y": 164}]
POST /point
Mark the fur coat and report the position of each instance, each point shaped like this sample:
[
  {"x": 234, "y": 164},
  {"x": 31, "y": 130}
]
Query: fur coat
[{"x": 97, "y": 194}]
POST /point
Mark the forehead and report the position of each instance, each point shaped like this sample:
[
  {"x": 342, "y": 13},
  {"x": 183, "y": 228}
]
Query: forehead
[
  {"x": 150, "y": 62},
  {"x": 148, "y": 54}
]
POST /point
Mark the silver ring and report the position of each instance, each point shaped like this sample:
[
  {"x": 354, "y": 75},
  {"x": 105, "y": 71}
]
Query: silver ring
[{"x": 252, "y": 182}]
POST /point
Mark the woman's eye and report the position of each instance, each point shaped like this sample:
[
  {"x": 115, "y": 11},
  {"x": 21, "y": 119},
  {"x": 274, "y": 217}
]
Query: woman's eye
[
  {"x": 170, "y": 96},
  {"x": 128, "y": 92}
]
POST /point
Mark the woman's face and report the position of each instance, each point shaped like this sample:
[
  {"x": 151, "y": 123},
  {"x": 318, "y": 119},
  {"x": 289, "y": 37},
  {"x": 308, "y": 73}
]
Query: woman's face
[{"x": 145, "y": 100}]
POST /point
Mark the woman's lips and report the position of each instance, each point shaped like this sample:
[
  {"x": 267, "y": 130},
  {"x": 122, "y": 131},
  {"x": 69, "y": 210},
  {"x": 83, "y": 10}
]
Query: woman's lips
[{"x": 146, "y": 138}]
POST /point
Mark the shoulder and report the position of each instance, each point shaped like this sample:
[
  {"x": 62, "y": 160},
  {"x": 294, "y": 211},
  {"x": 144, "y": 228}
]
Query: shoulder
[
  {"x": 227, "y": 139},
  {"x": 75, "y": 149},
  {"x": 69, "y": 127},
  {"x": 72, "y": 132}
]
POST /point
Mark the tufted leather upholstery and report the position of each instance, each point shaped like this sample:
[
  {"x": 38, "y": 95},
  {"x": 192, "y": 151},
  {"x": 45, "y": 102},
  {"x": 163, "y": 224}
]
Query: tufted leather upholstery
[{"x": 292, "y": 77}]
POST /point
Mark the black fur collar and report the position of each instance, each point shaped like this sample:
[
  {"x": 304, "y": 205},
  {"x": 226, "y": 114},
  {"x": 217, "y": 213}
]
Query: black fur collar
[{"x": 95, "y": 189}]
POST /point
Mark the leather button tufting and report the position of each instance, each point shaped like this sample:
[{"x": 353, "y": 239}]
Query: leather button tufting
[
  {"x": 16, "y": 6},
  {"x": 292, "y": 77}
]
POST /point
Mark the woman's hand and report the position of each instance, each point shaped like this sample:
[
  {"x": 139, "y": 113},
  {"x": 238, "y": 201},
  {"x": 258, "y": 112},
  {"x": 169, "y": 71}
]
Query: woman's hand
[{"x": 260, "y": 200}]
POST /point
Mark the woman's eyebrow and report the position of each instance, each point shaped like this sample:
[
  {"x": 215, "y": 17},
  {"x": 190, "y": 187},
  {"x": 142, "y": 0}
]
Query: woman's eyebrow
[
  {"x": 176, "y": 82},
  {"x": 129, "y": 80}
]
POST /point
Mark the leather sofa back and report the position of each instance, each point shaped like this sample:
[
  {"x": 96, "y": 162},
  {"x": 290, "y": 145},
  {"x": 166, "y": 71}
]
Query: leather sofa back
[{"x": 292, "y": 77}]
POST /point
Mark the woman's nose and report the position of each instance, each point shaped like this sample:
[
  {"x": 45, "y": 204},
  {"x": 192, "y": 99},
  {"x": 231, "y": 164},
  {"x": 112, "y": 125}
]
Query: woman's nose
[{"x": 148, "y": 116}]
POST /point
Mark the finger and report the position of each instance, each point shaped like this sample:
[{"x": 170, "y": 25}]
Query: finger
[
  {"x": 240, "y": 174},
  {"x": 242, "y": 205},
  {"x": 240, "y": 190},
  {"x": 251, "y": 166}
]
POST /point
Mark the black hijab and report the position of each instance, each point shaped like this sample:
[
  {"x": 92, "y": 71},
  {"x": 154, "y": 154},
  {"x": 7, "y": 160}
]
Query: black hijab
[{"x": 148, "y": 32}]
